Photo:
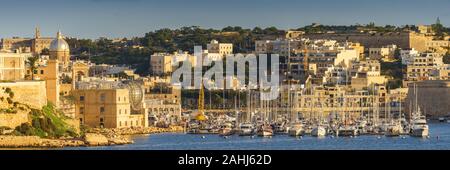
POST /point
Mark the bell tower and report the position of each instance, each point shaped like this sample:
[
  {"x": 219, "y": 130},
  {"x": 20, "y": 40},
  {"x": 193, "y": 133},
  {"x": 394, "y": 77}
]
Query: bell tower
[{"x": 37, "y": 33}]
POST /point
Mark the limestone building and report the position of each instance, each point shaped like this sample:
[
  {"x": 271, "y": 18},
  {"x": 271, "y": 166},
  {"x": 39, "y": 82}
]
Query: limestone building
[
  {"x": 222, "y": 48},
  {"x": 165, "y": 63},
  {"x": 384, "y": 53},
  {"x": 50, "y": 70},
  {"x": 421, "y": 67},
  {"x": 109, "y": 105},
  {"x": 161, "y": 63},
  {"x": 12, "y": 65},
  {"x": 36, "y": 44},
  {"x": 404, "y": 40}
]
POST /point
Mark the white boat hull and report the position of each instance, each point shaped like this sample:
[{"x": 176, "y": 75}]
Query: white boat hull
[
  {"x": 295, "y": 132},
  {"x": 246, "y": 132},
  {"x": 318, "y": 132},
  {"x": 420, "y": 132},
  {"x": 265, "y": 133}
]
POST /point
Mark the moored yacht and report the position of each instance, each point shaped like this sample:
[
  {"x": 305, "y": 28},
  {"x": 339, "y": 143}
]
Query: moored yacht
[
  {"x": 226, "y": 129},
  {"x": 265, "y": 130},
  {"x": 296, "y": 129},
  {"x": 347, "y": 131},
  {"x": 319, "y": 131},
  {"x": 419, "y": 126},
  {"x": 246, "y": 129},
  {"x": 394, "y": 129}
]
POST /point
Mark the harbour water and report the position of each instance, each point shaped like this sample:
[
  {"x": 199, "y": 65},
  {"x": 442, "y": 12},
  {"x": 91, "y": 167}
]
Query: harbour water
[{"x": 439, "y": 139}]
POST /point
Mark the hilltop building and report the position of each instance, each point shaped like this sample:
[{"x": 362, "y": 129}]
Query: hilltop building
[
  {"x": 221, "y": 48},
  {"x": 35, "y": 45}
]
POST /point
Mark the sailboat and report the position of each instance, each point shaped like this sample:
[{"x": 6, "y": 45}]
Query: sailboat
[
  {"x": 419, "y": 126},
  {"x": 319, "y": 130},
  {"x": 265, "y": 129},
  {"x": 347, "y": 129},
  {"x": 395, "y": 127},
  {"x": 296, "y": 129}
]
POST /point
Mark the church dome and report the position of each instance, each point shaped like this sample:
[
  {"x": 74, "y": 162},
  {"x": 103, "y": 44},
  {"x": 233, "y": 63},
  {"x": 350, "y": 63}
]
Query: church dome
[{"x": 59, "y": 44}]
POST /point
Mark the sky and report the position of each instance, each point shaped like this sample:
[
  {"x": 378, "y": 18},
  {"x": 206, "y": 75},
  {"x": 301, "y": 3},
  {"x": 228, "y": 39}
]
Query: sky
[{"x": 130, "y": 18}]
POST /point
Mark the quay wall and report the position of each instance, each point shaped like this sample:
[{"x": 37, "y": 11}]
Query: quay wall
[
  {"x": 433, "y": 97},
  {"x": 32, "y": 93}
]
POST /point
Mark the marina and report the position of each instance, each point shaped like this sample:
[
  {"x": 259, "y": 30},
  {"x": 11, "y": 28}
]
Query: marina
[
  {"x": 440, "y": 139},
  {"x": 267, "y": 121}
]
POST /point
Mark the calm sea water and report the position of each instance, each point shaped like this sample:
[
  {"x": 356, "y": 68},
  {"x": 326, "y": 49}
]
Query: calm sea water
[{"x": 439, "y": 139}]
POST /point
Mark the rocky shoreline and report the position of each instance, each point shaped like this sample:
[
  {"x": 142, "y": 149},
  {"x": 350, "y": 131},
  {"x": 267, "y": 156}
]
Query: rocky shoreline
[
  {"x": 135, "y": 130},
  {"x": 92, "y": 137}
]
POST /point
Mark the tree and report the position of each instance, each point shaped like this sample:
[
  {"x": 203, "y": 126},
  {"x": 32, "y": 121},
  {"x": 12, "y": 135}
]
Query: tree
[
  {"x": 32, "y": 62},
  {"x": 45, "y": 51},
  {"x": 439, "y": 29}
]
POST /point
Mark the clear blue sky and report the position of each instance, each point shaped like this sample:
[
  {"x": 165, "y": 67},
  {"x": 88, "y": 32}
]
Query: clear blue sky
[{"x": 127, "y": 18}]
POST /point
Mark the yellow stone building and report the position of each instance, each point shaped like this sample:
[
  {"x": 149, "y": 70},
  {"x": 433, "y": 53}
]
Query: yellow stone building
[
  {"x": 49, "y": 72},
  {"x": 12, "y": 65},
  {"x": 422, "y": 66},
  {"x": 36, "y": 45},
  {"x": 108, "y": 106},
  {"x": 161, "y": 63},
  {"x": 222, "y": 48}
]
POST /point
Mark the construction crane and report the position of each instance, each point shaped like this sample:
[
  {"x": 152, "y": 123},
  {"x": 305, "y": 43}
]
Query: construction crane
[{"x": 201, "y": 104}]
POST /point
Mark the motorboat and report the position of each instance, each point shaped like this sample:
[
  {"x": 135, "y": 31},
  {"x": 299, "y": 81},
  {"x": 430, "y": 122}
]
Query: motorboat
[
  {"x": 347, "y": 131},
  {"x": 226, "y": 129},
  {"x": 296, "y": 129},
  {"x": 265, "y": 130},
  {"x": 246, "y": 129},
  {"x": 419, "y": 126},
  {"x": 319, "y": 131}
]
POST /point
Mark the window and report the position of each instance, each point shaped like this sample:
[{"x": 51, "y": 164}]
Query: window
[
  {"x": 120, "y": 111},
  {"x": 102, "y": 109},
  {"x": 42, "y": 71},
  {"x": 81, "y": 98},
  {"x": 102, "y": 97},
  {"x": 101, "y": 119},
  {"x": 81, "y": 110}
]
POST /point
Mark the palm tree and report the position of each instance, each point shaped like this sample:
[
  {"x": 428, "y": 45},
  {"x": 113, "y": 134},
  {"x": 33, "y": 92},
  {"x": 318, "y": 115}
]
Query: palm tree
[{"x": 32, "y": 62}]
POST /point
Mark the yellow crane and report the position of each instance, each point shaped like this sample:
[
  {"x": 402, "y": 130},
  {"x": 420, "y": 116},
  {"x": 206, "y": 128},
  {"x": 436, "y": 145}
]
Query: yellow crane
[{"x": 201, "y": 104}]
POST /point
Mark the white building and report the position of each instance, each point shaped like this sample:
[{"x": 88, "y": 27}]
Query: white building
[{"x": 408, "y": 55}]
